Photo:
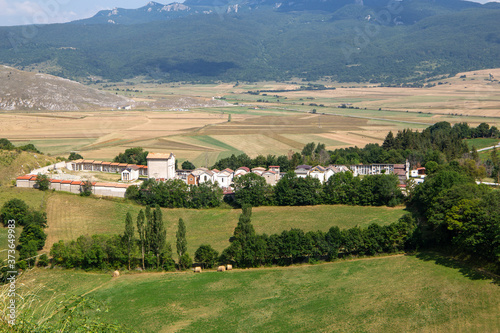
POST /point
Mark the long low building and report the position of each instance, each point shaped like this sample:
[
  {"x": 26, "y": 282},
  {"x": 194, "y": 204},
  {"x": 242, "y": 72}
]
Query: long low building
[
  {"x": 100, "y": 166},
  {"x": 76, "y": 186}
]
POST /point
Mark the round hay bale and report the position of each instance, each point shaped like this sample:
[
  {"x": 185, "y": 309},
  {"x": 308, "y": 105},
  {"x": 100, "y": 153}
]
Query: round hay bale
[
  {"x": 197, "y": 269},
  {"x": 229, "y": 267},
  {"x": 221, "y": 269},
  {"x": 116, "y": 274}
]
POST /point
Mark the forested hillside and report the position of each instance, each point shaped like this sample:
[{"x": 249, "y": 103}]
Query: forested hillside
[{"x": 397, "y": 42}]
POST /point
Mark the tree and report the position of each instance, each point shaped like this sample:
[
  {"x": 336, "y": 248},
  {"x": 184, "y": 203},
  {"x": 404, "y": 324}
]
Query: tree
[
  {"x": 132, "y": 156},
  {"x": 158, "y": 234},
  {"x": 6, "y": 144},
  {"x": 185, "y": 262},
  {"x": 42, "y": 182},
  {"x": 181, "y": 238},
  {"x": 241, "y": 251},
  {"x": 389, "y": 141},
  {"x": 74, "y": 156},
  {"x": 14, "y": 209},
  {"x": 141, "y": 230},
  {"x": 206, "y": 256},
  {"x": 129, "y": 236},
  {"x": 186, "y": 165},
  {"x": 251, "y": 189},
  {"x": 86, "y": 189}
]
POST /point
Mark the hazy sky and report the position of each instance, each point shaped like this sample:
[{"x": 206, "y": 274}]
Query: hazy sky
[{"x": 18, "y": 12}]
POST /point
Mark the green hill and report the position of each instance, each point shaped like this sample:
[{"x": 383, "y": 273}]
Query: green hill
[
  {"x": 413, "y": 41},
  {"x": 423, "y": 293}
]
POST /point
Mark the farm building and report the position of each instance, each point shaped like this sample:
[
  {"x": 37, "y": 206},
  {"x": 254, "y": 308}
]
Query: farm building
[
  {"x": 130, "y": 174},
  {"x": 75, "y": 186},
  {"x": 161, "y": 166}
]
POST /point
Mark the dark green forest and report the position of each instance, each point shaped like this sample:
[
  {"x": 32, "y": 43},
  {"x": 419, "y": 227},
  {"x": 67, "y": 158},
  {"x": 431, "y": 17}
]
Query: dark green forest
[{"x": 416, "y": 41}]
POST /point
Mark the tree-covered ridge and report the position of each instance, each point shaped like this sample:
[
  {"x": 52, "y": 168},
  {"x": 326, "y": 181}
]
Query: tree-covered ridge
[{"x": 268, "y": 44}]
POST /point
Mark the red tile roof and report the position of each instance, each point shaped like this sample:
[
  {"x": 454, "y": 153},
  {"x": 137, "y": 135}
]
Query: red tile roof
[
  {"x": 76, "y": 182},
  {"x": 55, "y": 180},
  {"x": 24, "y": 177},
  {"x": 66, "y": 182},
  {"x": 88, "y": 161}
]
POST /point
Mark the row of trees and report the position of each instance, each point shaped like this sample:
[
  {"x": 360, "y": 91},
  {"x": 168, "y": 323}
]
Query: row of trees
[
  {"x": 146, "y": 248},
  {"x": 175, "y": 193},
  {"x": 341, "y": 188},
  {"x": 248, "y": 249}
]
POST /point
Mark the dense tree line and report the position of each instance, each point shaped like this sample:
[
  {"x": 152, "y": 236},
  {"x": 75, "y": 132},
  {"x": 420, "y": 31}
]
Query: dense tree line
[
  {"x": 341, "y": 188},
  {"x": 248, "y": 249},
  {"x": 454, "y": 212},
  {"x": 439, "y": 143},
  {"x": 175, "y": 193}
]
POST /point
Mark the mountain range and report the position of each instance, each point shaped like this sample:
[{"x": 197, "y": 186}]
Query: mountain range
[{"x": 250, "y": 40}]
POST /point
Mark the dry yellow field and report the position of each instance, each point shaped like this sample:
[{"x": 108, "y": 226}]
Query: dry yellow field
[{"x": 204, "y": 134}]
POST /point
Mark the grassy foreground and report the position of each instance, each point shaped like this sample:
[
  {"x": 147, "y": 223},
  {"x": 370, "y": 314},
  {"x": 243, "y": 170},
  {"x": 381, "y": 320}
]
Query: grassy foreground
[{"x": 423, "y": 293}]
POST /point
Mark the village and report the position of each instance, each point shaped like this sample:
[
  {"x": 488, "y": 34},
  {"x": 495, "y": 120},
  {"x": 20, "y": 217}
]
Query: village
[{"x": 161, "y": 167}]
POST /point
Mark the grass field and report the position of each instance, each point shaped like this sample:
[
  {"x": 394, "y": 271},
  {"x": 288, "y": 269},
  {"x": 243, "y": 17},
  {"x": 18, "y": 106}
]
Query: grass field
[
  {"x": 87, "y": 216},
  {"x": 482, "y": 142},
  {"x": 422, "y": 293}
]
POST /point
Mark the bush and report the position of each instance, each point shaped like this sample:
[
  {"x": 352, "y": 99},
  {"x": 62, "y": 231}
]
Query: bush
[
  {"x": 206, "y": 256},
  {"x": 185, "y": 262},
  {"x": 43, "y": 261}
]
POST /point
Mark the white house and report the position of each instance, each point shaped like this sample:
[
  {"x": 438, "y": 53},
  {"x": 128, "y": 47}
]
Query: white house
[
  {"x": 318, "y": 172},
  {"x": 302, "y": 171},
  {"x": 130, "y": 174},
  {"x": 161, "y": 166},
  {"x": 224, "y": 177},
  {"x": 258, "y": 170},
  {"x": 241, "y": 171}
]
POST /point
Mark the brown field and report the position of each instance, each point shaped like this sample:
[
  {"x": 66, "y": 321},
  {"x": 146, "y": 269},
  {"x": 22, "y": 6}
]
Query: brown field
[{"x": 204, "y": 135}]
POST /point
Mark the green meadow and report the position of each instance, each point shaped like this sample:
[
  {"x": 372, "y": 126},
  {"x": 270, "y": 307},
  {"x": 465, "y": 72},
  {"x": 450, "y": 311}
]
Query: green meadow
[{"x": 418, "y": 293}]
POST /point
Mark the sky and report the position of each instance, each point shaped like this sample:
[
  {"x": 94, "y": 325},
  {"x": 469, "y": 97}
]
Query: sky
[{"x": 21, "y": 12}]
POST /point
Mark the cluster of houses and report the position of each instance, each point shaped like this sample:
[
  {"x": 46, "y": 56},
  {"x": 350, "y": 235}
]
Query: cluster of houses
[{"x": 162, "y": 167}]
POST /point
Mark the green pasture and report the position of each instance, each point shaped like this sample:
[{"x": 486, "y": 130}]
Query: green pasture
[{"x": 420, "y": 293}]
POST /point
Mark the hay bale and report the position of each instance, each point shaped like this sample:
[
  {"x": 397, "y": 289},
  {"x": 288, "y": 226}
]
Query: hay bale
[
  {"x": 229, "y": 267},
  {"x": 221, "y": 269},
  {"x": 116, "y": 274},
  {"x": 197, "y": 269}
]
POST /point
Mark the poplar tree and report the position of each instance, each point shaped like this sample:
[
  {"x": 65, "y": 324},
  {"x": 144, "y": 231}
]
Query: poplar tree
[
  {"x": 129, "y": 235},
  {"x": 181, "y": 238},
  {"x": 158, "y": 234},
  {"x": 147, "y": 229},
  {"x": 142, "y": 234},
  {"x": 181, "y": 241}
]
